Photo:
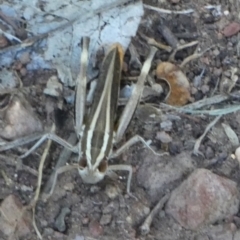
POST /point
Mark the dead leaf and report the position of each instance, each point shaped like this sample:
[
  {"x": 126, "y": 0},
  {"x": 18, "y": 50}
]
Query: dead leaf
[
  {"x": 232, "y": 136},
  {"x": 231, "y": 29},
  {"x": 179, "y": 93}
]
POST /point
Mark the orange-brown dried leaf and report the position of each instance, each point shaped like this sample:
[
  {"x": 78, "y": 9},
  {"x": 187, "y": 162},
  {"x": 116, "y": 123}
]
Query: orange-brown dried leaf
[{"x": 179, "y": 93}]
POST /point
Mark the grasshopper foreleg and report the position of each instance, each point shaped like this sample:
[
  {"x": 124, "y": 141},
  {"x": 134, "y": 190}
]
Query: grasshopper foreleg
[
  {"x": 59, "y": 171},
  {"x": 128, "y": 168},
  {"x": 121, "y": 167}
]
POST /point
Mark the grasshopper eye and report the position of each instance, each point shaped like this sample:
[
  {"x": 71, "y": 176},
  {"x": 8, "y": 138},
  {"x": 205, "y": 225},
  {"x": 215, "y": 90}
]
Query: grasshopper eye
[
  {"x": 83, "y": 163},
  {"x": 103, "y": 166}
]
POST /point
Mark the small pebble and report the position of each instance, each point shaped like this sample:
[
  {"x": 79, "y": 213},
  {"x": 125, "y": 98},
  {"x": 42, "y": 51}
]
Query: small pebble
[
  {"x": 217, "y": 72},
  {"x": 23, "y": 72},
  {"x": 163, "y": 137},
  {"x": 28, "y": 13},
  {"x": 69, "y": 186},
  {"x": 157, "y": 87},
  {"x": 43, "y": 223},
  {"x": 226, "y": 12},
  {"x": 85, "y": 220},
  {"x": 193, "y": 90},
  {"x": 109, "y": 208},
  {"x": 166, "y": 125},
  {"x": 17, "y": 65},
  {"x": 129, "y": 220},
  {"x": 216, "y": 52},
  {"x": 25, "y": 58},
  {"x": 105, "y": 219},
  {"x": 94, "y": 189},
  {"x": 122, "y": 203},
  {"x": 205, "y": 89},
  {"x": 95, "y": 228},
  {"x": 112, "y": 191},
  {"x": 209, "y": 153}
]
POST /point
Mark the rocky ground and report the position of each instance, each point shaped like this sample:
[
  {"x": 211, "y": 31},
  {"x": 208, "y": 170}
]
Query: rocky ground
[{"x": 196, "y": 182}]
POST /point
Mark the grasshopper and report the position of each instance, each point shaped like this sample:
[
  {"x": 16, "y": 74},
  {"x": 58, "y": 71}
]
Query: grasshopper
[{"x": 96, "y": 128}]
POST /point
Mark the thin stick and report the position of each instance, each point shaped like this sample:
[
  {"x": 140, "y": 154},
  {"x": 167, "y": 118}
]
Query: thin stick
[
  {"x": 145, "y": 227},
  {"x": 190, "y": 44},
  {"x": 201, "y": 103},
  {"x": 193, "y": 56},
  {"x": 161, "y": 10},
  {"x": 153, "y": 42},
  {"x": 39, "y": 183},
  {"x": 199, "y": 140},
  {"x": 206, "y": 102},
  {"x": 214, "y": 112},
  {"x": 181, "y": 47}
]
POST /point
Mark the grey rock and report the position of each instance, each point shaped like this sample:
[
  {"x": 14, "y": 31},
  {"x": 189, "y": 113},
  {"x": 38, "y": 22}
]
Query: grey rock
[{"x": 60, "y": 220}]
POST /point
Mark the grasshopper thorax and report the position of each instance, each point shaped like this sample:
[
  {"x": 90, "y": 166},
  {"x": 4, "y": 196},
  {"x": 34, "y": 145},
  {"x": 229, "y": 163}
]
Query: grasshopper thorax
[{"x": 92, "y": 174}]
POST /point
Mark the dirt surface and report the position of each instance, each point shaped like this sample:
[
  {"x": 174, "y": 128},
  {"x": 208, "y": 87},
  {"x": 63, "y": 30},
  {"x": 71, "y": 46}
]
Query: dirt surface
[{"x": 104, "y": 211}]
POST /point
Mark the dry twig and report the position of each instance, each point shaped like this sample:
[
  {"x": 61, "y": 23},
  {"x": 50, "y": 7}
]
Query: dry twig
[
  {"x": 161, "y": 10},
  {"x": 199, "y": 140},
  {"x": 33, "y": 203},
  {"x": 153, "y": 42},
  {"x": 145, "y": 227},
  {"x": 193, "y": 56},
  {"x": 181, "y": 47}
]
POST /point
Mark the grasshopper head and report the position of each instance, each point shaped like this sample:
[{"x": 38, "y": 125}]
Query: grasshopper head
[{"x": 92, "y": 175}]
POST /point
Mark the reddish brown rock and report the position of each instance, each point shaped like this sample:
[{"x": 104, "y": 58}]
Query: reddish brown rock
[
  {"x": 203, "y": 198},
  {"x": 14, "y": 219},
  {"x": 231, "y": 29},
  {"x": 156, "y": 173}
]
